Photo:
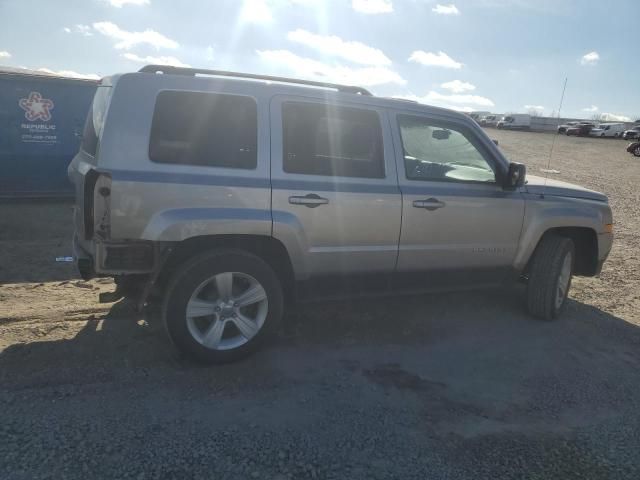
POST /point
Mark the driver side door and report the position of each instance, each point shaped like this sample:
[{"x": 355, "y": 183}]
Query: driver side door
[{"x": 457, "y": 219}]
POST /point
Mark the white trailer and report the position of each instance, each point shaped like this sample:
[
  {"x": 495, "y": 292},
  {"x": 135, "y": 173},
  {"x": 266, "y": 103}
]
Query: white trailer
[
  {"x": 515, "y": 121},
  {"x": 609, "y": 129}
]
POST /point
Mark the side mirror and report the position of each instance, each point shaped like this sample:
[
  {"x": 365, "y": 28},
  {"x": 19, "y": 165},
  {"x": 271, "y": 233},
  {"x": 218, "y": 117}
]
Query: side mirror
[
  {"x": 495, "y": 142},
  {"x": 515, "y": 176}
]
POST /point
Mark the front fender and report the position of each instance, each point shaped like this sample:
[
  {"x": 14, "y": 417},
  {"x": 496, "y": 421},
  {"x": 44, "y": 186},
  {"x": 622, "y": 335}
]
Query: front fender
[
  {"x": 176, "y": 225},
  {"x": 544, "y": 213}
]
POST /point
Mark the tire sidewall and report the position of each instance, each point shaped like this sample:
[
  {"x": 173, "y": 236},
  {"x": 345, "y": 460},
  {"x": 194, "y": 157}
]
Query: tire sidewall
[
  {"x": 198, "y": 270},
  {"x": 566, "y": 251}
]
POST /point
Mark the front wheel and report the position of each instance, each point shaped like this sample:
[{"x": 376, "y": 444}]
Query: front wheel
[
  {"x": 636, "y": 151},
  {"x": 220, "y": 306},
  {"x": 550, "y": 276}
]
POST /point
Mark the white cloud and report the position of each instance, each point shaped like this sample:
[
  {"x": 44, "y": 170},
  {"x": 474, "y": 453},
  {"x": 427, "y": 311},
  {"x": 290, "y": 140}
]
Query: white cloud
[
  {"x": 79, "y": 28},
  {"x": 613, "y": 117},
  {"x": 69, "y": 73},
  {"x": 150, "y": 60},
  {"x": 429, "y": 101},
  {"x": 457, "y": 86},
  {"x": 590, "y": 58},
  {"x": 455, "y": 101},
  {"x": 431, "y": 59},
  {"x": 316, "y": 70},
  {"x": 125, "y": 40},
  {"x": 591, "y": 109},
  {"x": 450, "y": 9},
  {"x": 121, "y": 3},
  {"x": 83, "y": 30},
  {"x": 372, "y": 6},
  {"x": 255, "y": 11},
  {"x": 335, "y": 46},
  {"x": 537, "y": 108},
  {"x": 4, "y": 54}
]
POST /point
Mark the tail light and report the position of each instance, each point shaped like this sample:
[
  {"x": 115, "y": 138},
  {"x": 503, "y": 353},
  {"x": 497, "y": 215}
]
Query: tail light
[{"x": 97, "y": 205}]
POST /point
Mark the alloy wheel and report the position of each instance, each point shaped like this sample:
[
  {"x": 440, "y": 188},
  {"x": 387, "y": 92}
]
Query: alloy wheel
[{"x": 227, "y": 310}]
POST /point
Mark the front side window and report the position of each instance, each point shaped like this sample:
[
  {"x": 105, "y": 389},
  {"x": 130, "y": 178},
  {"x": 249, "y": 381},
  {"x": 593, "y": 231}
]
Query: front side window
[
  {"x": 441, "y": 152},
  {"x": 321, "y": 139},
  {"x": 209, "y": 129}
]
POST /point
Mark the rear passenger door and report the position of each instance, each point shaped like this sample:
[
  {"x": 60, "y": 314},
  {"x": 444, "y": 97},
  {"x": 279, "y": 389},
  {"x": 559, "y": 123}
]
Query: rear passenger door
[{"x": 335, "y": 199}]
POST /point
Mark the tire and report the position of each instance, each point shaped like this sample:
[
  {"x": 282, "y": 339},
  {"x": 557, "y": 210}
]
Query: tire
[
  {"x": 239, "y": 330},
  {"x": 546, "y": 297},
  {"x": 636, "y": 151}
]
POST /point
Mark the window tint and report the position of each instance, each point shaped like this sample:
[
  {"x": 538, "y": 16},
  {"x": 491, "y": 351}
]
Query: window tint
[
  {"x": 441, "y": 152},
  {"x": 209, "y": 129},
  {"x": 89, "y": 136},
  {"x": 336, "y": 141},
  {"x": 95, "y": 119}
]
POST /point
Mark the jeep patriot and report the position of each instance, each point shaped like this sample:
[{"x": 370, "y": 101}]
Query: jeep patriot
[{"x": 223, "y": 197}]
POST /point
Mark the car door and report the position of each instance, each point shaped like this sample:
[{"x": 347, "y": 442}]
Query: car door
[
  {"x": 335, "y": 199},
  {"x": 456, "y": 216}
]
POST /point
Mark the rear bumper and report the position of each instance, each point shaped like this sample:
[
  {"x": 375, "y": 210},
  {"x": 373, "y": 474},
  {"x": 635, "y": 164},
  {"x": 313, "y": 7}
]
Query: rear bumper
[
  {"x": 83, "y": 259},
  {"x": 114, "y": 258}
]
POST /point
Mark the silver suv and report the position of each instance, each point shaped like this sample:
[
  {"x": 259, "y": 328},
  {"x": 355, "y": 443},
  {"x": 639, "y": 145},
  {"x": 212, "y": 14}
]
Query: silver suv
[{"x": 223, "y": 197}]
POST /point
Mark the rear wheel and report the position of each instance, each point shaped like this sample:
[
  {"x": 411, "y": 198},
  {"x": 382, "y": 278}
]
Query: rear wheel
[
  {"x": 222, "y": 305},
  {"x": 636, "y": 151},
  {"x": 550, "y": 276}
]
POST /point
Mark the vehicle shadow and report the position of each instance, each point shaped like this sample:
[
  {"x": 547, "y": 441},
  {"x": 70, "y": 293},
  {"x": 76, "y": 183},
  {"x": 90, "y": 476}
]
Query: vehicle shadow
[{"x": 450, "y": 337}]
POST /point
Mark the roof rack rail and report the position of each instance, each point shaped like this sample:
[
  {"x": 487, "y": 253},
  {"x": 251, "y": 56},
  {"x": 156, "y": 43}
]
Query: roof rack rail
[{"x": 222, "y": 73}]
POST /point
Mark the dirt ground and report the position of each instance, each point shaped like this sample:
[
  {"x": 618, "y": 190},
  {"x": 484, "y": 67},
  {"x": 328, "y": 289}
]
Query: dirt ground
[{"x": 461, "y": 385}]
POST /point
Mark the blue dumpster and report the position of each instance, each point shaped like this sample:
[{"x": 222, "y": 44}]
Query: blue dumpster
[{"x": 41, "y": 122}]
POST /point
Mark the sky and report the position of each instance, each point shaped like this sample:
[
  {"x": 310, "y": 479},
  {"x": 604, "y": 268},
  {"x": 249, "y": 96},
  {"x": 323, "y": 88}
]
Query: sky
[{"x": 472, "y": 55}]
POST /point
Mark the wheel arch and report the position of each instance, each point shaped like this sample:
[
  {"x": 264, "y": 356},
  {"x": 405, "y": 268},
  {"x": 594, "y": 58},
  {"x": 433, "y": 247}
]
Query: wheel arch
[
  {"x": 269, "y": 249},
  {"x": 585, "y": 241}
]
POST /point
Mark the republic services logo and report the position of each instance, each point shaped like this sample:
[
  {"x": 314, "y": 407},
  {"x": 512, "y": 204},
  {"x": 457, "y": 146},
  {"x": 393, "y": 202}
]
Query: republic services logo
[{"x": 36, "y": 108}]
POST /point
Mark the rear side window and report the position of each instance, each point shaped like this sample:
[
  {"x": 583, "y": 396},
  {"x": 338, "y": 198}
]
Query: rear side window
[
  {"x": 95, "y": 120},
  {"x": 209, "y": 129},
  {"x": 89, "y": 136},
  {"x": 327, "y": 140}
]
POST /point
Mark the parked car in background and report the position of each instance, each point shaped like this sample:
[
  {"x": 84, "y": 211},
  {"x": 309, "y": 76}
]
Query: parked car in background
[
  {"x": 634, "y": 148},
  {"x": 563, "y": 128},
  {"x": 515, "y": 121},
  {"x": 478, "y": 115},
  {"x": 235, "y": 197},
  {"x": 631, "y": 133},
  {"x": 582, "y": 129},
  {"x": 613, "y": 130},
  {"x": 489, "y": 120}
]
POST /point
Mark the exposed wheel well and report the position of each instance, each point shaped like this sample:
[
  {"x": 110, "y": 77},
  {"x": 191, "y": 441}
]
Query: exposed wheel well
[
  {"x": 269, "y": 249},
  {"x": 585, "y": 241}
]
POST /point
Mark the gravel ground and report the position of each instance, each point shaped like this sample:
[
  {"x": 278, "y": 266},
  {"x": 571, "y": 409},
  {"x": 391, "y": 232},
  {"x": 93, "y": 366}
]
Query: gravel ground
[{"x": 456, "y": 386}]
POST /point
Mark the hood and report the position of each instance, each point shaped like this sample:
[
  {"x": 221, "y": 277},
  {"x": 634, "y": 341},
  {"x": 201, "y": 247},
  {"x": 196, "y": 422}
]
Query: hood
[{"x": 536, "y": 185}]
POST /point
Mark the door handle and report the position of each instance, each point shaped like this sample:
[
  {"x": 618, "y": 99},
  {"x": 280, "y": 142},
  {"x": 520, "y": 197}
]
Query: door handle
[
  {"x": 430, "y": 204},
  {"x": 311, "y": 200}
]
